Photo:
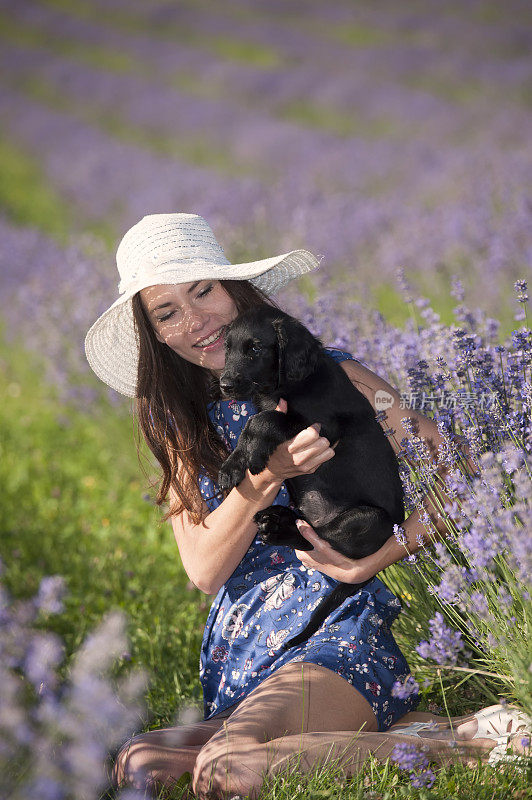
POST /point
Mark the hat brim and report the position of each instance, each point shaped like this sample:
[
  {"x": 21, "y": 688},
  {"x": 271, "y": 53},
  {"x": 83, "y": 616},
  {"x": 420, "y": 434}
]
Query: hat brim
[{"x": 111, "y": 344}]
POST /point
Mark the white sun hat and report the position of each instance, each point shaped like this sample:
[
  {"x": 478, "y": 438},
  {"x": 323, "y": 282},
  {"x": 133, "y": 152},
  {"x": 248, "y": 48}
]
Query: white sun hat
[{"x": 171, "y": 248}]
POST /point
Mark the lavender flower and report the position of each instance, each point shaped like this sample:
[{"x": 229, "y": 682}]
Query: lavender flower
[
  {"x": 400, "y": 535},
  {"x": 521, "y": 287},
  {"x": 44, "y": 653},
  {"x": 406, "y": 689},
  {"x": 50, "y": 597},
  {"x": 56, "y": 743},
  {"x": 409, "y": 757},
  {"x": 444, "y": 644}
]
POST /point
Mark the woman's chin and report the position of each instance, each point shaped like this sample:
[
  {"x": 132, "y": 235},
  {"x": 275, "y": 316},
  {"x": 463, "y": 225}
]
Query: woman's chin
[{"x": 215, "y": 365}]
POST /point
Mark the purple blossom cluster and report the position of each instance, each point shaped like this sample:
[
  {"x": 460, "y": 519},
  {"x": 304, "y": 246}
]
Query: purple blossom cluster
[
  {"x": 444, "y": 645},
  {"x": 55, "y": 735},
  {"x": 66, "y": 289},
  {"x": 489, "y": 518},
  {"x": 412, "y": 758},
  {"x": 492, "y": 515},
  {"x": 406, "y": 689}
]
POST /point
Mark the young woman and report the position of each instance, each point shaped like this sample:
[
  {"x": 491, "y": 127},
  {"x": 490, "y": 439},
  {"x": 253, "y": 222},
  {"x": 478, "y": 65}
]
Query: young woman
[{"x": 162, "y": 342}]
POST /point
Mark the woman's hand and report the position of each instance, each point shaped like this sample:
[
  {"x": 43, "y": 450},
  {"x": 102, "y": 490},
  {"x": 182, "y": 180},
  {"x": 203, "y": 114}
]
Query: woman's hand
[
  {"x": 301, "y": 455},
  {"x": 329, "y": 561}
]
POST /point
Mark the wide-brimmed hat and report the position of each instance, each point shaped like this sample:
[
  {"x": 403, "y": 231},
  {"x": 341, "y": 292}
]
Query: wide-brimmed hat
[{"x": 171, "y": 248}]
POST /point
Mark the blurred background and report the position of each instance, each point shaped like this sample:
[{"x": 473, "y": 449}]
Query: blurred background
[{"x": 375, "y": 134}]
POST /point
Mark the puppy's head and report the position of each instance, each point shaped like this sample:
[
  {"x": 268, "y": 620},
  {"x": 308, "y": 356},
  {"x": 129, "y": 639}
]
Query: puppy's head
[{"x": 266, "y": 350}]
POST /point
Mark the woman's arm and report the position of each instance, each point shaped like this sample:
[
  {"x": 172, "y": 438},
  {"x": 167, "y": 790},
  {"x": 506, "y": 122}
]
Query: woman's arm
[
  {"x": 212, "y": 550},
  {"x": 327, "y": 560}
]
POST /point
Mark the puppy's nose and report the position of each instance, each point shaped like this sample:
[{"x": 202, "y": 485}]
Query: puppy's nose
[{"x": 227, "y": 382}]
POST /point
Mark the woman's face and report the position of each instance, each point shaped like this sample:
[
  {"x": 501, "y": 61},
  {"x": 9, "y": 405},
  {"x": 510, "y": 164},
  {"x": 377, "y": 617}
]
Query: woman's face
[{"x": 190, "y": 318}]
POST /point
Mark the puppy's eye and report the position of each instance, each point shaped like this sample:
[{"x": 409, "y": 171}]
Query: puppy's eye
[{"x": 254, "y": 348}]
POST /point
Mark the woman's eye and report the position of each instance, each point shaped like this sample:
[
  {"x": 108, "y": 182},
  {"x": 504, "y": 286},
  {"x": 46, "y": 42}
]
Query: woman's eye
[{"x": 171, "y": 313}]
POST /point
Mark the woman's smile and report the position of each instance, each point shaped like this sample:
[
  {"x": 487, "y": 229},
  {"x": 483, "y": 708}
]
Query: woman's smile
[{"x": 213, "y": 341}]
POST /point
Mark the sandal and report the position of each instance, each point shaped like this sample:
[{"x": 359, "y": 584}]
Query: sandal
[
  {"x": 501, "y": 720},
  {"x": 500, "y": 724}
]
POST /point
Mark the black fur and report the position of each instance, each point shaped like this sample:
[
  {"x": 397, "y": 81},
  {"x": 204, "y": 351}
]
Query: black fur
[{"x": 353, "y": 500}]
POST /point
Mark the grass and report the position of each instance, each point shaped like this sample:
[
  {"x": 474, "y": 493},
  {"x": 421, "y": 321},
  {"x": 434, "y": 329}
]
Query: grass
[
  {"x": 75, "y": 503},
  {"x": 27, "y": 198},
  {"x": 340, "y": 123}
]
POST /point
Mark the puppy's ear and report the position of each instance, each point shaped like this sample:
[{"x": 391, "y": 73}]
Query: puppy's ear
[
  {"x": 299, "y": 350},
  {"x": 279, "y": 325}
]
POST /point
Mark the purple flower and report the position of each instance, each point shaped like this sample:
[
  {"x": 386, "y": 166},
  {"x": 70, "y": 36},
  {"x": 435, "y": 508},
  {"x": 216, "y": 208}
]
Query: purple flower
[
  {"x": 479, "y": 605},
  {"x": 47, "y": 788},
  {"x": 424, "y": 778},
  {"x": 44, "y": 654},
  {"x": 409, "y": 756},
  {"x": 452, "y": 584},
  {"x": 521, "y": 287},
  {"x": 400, "y": 535},
  {"x": 444, "y": 644},
  {"x": 406, "y": 689},
  {"x": 50, "y": 597},
  {"x": 68, "y": 727}
]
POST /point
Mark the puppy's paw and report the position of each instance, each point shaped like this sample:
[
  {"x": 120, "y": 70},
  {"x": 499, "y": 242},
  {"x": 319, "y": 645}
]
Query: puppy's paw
[
  {"x": 232, "y": 472},
  {"x": 258, "y": 462},
  {"x": 268, "y": 522},
  {"x": 277, "y": 525}
]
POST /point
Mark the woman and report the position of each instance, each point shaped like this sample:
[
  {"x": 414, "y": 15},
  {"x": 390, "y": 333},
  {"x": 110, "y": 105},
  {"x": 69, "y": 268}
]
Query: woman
[{"x": 162, "y": 342}]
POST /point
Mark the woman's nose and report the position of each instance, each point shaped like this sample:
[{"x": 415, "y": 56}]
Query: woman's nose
[{"x": 195, "y": 319}]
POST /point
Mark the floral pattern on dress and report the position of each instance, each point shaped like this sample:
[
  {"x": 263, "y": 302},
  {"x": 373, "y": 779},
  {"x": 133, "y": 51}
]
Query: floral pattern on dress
[
  {"x": 277, "y": 590},
  {"x": 269, "y": 598},
  {"x": 233, "y": 622}
]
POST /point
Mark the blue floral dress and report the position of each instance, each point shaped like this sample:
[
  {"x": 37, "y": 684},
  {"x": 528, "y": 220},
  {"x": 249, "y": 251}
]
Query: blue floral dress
[{"x": 271, "y": 595}]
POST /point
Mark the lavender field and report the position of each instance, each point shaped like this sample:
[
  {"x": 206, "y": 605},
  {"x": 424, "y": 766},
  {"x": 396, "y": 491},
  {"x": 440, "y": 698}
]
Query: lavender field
[{"x": 391, "y": 139}]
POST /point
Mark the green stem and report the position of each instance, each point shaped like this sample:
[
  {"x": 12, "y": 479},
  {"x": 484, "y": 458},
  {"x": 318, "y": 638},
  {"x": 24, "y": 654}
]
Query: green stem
[{"x": 445, "y": 702}]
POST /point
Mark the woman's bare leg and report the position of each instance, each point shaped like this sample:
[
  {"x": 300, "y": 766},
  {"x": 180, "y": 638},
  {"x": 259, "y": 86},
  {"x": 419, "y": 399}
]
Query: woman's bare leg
[
  {"x": 302, "y": 714},
  {"x": 161, "y": 757}
]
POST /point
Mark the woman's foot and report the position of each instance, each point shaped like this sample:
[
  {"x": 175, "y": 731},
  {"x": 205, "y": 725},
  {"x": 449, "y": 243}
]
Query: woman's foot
[{"x": 493, "y": 727}]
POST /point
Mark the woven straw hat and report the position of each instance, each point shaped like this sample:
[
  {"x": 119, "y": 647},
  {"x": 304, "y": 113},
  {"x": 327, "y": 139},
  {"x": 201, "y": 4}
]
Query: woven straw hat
[{"x": 171, "y": 248}]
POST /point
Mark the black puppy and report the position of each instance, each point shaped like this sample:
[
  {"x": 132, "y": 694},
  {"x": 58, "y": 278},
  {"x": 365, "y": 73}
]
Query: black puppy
[{"x": 353, "y": 500}]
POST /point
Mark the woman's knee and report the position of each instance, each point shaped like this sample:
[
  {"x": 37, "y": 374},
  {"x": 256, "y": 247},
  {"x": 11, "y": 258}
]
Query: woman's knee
[
  {"x": 223, "y": 767},
  {"x": 211, "y": 772},
  {"x": 128, "y": 765}
]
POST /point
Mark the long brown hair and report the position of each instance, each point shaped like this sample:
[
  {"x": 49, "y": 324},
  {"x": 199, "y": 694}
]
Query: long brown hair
[{"x": 171, "y": 406}]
